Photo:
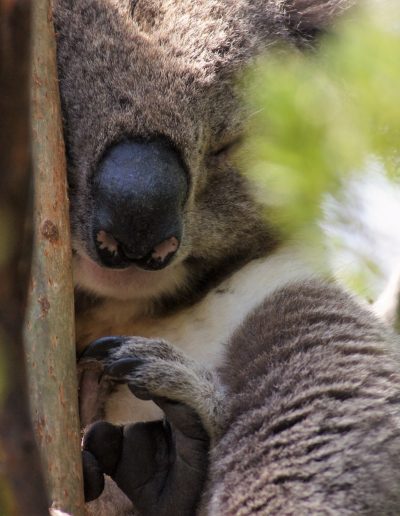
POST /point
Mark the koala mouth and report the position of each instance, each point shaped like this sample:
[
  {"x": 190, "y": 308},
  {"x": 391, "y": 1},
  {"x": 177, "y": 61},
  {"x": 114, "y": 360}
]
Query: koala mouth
[{"x": 125, "y": 283}]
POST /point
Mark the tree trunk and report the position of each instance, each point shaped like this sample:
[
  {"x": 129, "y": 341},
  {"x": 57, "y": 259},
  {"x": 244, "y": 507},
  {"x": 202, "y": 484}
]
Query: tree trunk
[
  {"x": 50, "y": 334},
  {"x": 22, "y": 489}
]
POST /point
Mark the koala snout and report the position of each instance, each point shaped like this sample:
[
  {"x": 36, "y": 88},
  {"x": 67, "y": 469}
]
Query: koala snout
[{"x": 139, "y": 191}]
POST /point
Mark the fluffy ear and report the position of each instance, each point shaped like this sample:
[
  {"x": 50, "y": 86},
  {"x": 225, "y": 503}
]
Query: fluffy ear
[{"x": 306, "y": 19}]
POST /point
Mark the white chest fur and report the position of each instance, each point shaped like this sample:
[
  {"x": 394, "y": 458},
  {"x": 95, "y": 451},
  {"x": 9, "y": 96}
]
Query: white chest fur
[{"x": 202, "y": 330}]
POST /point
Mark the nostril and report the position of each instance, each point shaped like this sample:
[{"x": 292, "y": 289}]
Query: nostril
[
  {"x": 161, "y": 255},
  {"x": 158, "y": 258},
  {"x": 108, "y": 251},
  {"x": 105, "y": 241},
  {"x": 163, "y": 251}
]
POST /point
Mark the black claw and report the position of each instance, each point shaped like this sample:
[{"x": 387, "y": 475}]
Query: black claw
[
  {"x": 122, "y": 367},
  {"x": 100, "y": 348}
]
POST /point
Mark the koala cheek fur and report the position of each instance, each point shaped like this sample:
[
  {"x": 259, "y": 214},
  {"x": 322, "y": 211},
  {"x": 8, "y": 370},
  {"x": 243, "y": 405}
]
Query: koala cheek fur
[{"x": 241, "y": 383}]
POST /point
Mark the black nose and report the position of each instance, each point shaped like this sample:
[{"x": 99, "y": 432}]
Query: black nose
[{"x": 139, "y": 192}]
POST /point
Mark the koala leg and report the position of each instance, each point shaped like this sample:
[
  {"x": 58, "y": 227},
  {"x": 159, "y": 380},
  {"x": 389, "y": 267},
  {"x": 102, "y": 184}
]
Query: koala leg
[{"x": 160, "y": 465}]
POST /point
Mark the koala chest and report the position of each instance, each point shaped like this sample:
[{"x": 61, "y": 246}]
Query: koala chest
[{"x": 202, "y": 331}]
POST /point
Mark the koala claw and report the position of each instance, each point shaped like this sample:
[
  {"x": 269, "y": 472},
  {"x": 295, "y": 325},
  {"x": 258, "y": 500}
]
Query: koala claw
[
  {"x": 122, "y": 367},
  {"x": 121, "y": 370},
  {"x": 101, "y": 348}
]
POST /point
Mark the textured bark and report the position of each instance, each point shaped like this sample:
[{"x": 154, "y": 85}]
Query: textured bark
[
  {"x": 50, "y": 335},
  {"x": 22, "y": 488}
]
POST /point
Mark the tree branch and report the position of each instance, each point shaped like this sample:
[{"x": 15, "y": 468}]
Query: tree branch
[{"x": 50, "y": 334}]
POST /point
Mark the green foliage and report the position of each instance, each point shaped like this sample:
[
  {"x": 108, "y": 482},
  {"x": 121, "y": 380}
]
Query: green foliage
[{"x": 322, "y": 116}]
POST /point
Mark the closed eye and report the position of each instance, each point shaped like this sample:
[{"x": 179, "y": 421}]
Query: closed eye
[{"x": 225, "y": 150}]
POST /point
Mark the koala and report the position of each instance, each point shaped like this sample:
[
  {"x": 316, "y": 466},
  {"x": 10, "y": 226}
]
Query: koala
[{"x": 239, "y": 379}]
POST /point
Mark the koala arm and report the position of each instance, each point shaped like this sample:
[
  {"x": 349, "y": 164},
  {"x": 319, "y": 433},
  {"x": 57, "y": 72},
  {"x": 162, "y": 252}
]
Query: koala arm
[
  {"x": 154, "y": 369},
  {"x": 160, "y": 465}
]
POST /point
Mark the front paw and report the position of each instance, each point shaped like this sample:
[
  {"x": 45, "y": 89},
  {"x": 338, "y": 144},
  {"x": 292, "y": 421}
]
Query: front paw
[{"x": 155, "y": 370}]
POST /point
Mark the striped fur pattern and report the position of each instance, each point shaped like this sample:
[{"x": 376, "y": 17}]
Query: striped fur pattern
[{"x": 313, "y": 386}]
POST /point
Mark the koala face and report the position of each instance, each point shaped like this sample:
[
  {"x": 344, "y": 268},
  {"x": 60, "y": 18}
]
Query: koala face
[{"x": 151, "y": 112}]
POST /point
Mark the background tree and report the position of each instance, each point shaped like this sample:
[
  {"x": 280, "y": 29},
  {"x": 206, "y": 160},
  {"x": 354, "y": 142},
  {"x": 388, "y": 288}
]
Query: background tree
[{"x": 22, "y": 489}]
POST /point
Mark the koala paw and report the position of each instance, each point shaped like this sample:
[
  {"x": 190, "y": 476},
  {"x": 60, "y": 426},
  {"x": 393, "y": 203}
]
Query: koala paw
[
  {"x": 155, "y": 370},
  {"x": 158, "y": 465}
]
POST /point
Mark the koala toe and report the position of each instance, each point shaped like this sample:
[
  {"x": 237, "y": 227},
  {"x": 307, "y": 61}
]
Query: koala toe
[
  {"x": 101, "y": 348},
  {"x": 148, "y": 366},
  {"x": 104, "y": 441},
  {"x": 123, "y": 371},
  {"x": 123, "y": 367},
  {"x": 93, "y": 476}
]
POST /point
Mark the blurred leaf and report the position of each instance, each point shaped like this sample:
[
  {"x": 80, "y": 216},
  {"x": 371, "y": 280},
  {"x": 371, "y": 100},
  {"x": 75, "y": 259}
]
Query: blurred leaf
[
  {"x": 324, "y": 118},
  {"x": 320, "y": 117}
]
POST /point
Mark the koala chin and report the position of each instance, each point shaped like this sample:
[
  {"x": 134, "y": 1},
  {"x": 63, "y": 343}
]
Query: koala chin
[{"x": 218, "y": 373}]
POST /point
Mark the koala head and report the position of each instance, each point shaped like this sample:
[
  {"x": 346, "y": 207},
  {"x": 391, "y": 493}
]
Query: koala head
[{"x": 151, "y": 114}]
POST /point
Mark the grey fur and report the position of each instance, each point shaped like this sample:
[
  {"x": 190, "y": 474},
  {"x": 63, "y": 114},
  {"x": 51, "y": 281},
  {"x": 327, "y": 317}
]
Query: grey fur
[
  {"x": 313, "y": 381},
  {"x": 304, "y": 416}
]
